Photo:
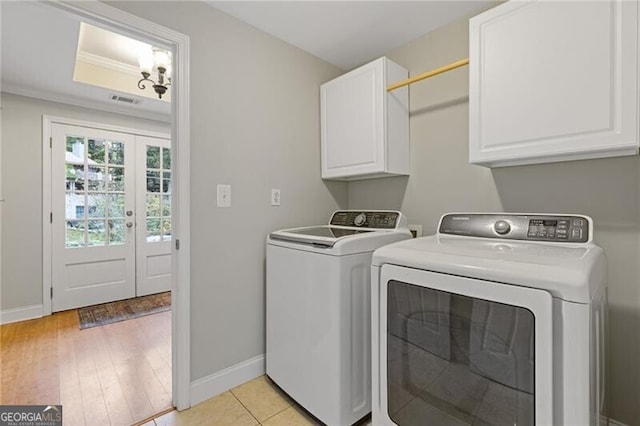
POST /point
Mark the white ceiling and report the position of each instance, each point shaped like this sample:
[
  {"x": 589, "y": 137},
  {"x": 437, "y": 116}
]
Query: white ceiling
[
  {"x": 39, "y": 42},
  {"x": 349, "y": 33}
]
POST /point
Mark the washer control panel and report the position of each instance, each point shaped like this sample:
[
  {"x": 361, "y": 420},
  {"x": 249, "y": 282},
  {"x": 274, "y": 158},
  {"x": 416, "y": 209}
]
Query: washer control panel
[
  {"x": 532, "y": 227},
  {"x": 365, "y": 219}
]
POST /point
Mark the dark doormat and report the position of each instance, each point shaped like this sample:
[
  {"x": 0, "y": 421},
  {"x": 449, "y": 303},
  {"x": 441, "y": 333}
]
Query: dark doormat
[{"x": 107, "y": 313}]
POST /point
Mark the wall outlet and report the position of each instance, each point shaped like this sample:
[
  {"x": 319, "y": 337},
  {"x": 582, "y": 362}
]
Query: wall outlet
[
  {"x": 275, "y": 197},
  {"x": 224, "y": 195},
  {"x": 416, "y": 230}
]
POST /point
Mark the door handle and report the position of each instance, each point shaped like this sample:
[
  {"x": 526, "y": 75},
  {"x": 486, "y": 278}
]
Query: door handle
[
  {"x": 129, "y": 224},
  {"x": 129, "y": 212}
]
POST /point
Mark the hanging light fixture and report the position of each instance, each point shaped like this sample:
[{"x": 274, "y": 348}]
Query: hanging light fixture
[{"x": 161, "y": 60}]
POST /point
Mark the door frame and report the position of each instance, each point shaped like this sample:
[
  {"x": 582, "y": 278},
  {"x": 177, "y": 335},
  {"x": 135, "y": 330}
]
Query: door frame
[{"x": 108, "y": 17}]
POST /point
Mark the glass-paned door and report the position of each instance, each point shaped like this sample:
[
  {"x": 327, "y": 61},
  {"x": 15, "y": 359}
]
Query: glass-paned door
[
  {"x": 153, "y": 253},
  {"x": 93, "y": 186}
]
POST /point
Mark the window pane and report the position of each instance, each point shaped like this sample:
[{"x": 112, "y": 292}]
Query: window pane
[
  {"x": 95, "y": 151},
  {"x": 75, "y": 177},
  {"x": 153, "y": 230},
  {"x": 153, "y": 205},
  {"x": 116, "y": 205},
  {"x": 116, "y": 178},
  {"x": 74, "y": 233},
  {"x": 96, "y": 234},
  {"x": 166, "y": 228},
  {"x": 116, "y": 153},
  {"x": 166, "y": 182},
  {"x": 153, "y": 181},
  {"x": 80, "y": 212},
  {"x": 153, "y": 157},
  {"x": 116, "y": 232},
  {"x": 166, "y": 158},
  {"x": 96, "y": 204},
  {"x": 95, "y": 179},
  {"x": 74, "y": 205},
  {"x": 166, "y": 205},
  {"x": 75, "y": 146}
]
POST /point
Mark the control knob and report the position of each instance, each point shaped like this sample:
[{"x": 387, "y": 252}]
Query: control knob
[
  {"x": 360, "y": 219},
  {"x": 501, "y": 227}
]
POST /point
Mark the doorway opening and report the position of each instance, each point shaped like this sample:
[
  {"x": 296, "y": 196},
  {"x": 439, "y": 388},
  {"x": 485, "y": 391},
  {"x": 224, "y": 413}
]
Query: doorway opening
[{"x": 105, "y": 16}]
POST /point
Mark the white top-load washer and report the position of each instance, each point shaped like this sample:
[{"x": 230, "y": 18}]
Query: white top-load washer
[
  {"x": 496, "y": 319},
  {"x": 318, "y": 311}
]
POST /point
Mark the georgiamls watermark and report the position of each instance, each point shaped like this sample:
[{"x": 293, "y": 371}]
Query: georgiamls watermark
[{"x": 30, "y": 415}]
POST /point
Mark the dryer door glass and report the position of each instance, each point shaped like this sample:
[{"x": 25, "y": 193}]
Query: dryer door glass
[{"x": 453, "y": 359}]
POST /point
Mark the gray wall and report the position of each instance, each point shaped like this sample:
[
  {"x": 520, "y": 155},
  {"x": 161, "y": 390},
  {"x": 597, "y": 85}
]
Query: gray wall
[
  {"x": 22, "y": 188},
  {"x": 443, "y": 181},
  {"x": 254, "y": 125}
]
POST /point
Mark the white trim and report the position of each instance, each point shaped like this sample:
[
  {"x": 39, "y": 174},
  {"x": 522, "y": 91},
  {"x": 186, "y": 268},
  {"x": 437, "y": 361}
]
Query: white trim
[
  {"x": 181, "y": 209},
  {"x": 1, "y": 196},
  {"x": 47, "y": 240},
  {"x": 20, "y": 314},
  {"x": 107, "y": 105},
  {"x": 110, "y": 64},
  {"x": 108, "y": 17},
  {"x": 214, "y": 384},
  {"x": 52, "y": 119}
]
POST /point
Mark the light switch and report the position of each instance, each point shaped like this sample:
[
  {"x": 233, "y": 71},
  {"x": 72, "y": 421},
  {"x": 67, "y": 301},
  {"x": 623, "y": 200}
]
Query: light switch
[{"x": 224, "y": 195}]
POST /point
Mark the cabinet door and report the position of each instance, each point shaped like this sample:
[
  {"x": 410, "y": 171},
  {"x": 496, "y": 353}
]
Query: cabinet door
[
  {"x": 553, "y": 81},
  {"x": 352, "y": 123}
]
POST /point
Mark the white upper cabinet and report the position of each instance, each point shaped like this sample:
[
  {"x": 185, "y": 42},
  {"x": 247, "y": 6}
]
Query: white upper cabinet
[
  {"x": 553, "y": 81},
  {"x": 364, "y": 128}
]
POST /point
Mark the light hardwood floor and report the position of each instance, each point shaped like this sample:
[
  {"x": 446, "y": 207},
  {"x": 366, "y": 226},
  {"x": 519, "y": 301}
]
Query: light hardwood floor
[{"x": 115, "y": 374}]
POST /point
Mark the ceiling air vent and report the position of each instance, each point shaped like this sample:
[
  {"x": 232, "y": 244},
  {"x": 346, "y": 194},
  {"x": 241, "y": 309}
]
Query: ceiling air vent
[{"x": 126, "y": 100}]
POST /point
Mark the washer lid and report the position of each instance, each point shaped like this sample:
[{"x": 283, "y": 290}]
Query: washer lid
[
  {"x": 573, "y": 272},
  {"x": 349, "y": 231},
  {"x": 318, "y": 235}
]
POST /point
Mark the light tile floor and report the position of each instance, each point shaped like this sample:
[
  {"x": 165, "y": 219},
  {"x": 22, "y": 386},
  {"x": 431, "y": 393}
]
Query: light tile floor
[{"x": 258, "y": 402}]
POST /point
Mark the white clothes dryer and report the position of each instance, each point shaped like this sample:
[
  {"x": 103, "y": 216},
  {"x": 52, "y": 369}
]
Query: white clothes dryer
[
  {"x": 497, "y": 319},
  {"x": 318, "y": 311}
]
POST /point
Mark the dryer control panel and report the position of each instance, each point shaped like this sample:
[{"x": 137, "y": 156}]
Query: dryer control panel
[{"x": 531, "y": 227}]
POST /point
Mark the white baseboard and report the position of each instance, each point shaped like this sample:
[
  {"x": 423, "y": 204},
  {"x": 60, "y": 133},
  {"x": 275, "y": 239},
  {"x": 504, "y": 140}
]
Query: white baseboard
[
  {"x": 20, "y": 314},
  {"x": 214, "y": 384}
]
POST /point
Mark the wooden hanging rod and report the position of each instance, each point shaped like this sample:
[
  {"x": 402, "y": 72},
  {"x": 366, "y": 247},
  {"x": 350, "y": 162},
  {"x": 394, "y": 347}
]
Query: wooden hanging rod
[{"x": 425, "y": 75}]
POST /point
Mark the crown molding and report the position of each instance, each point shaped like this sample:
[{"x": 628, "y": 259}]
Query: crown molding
[{"x": 108, "y": 63}]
